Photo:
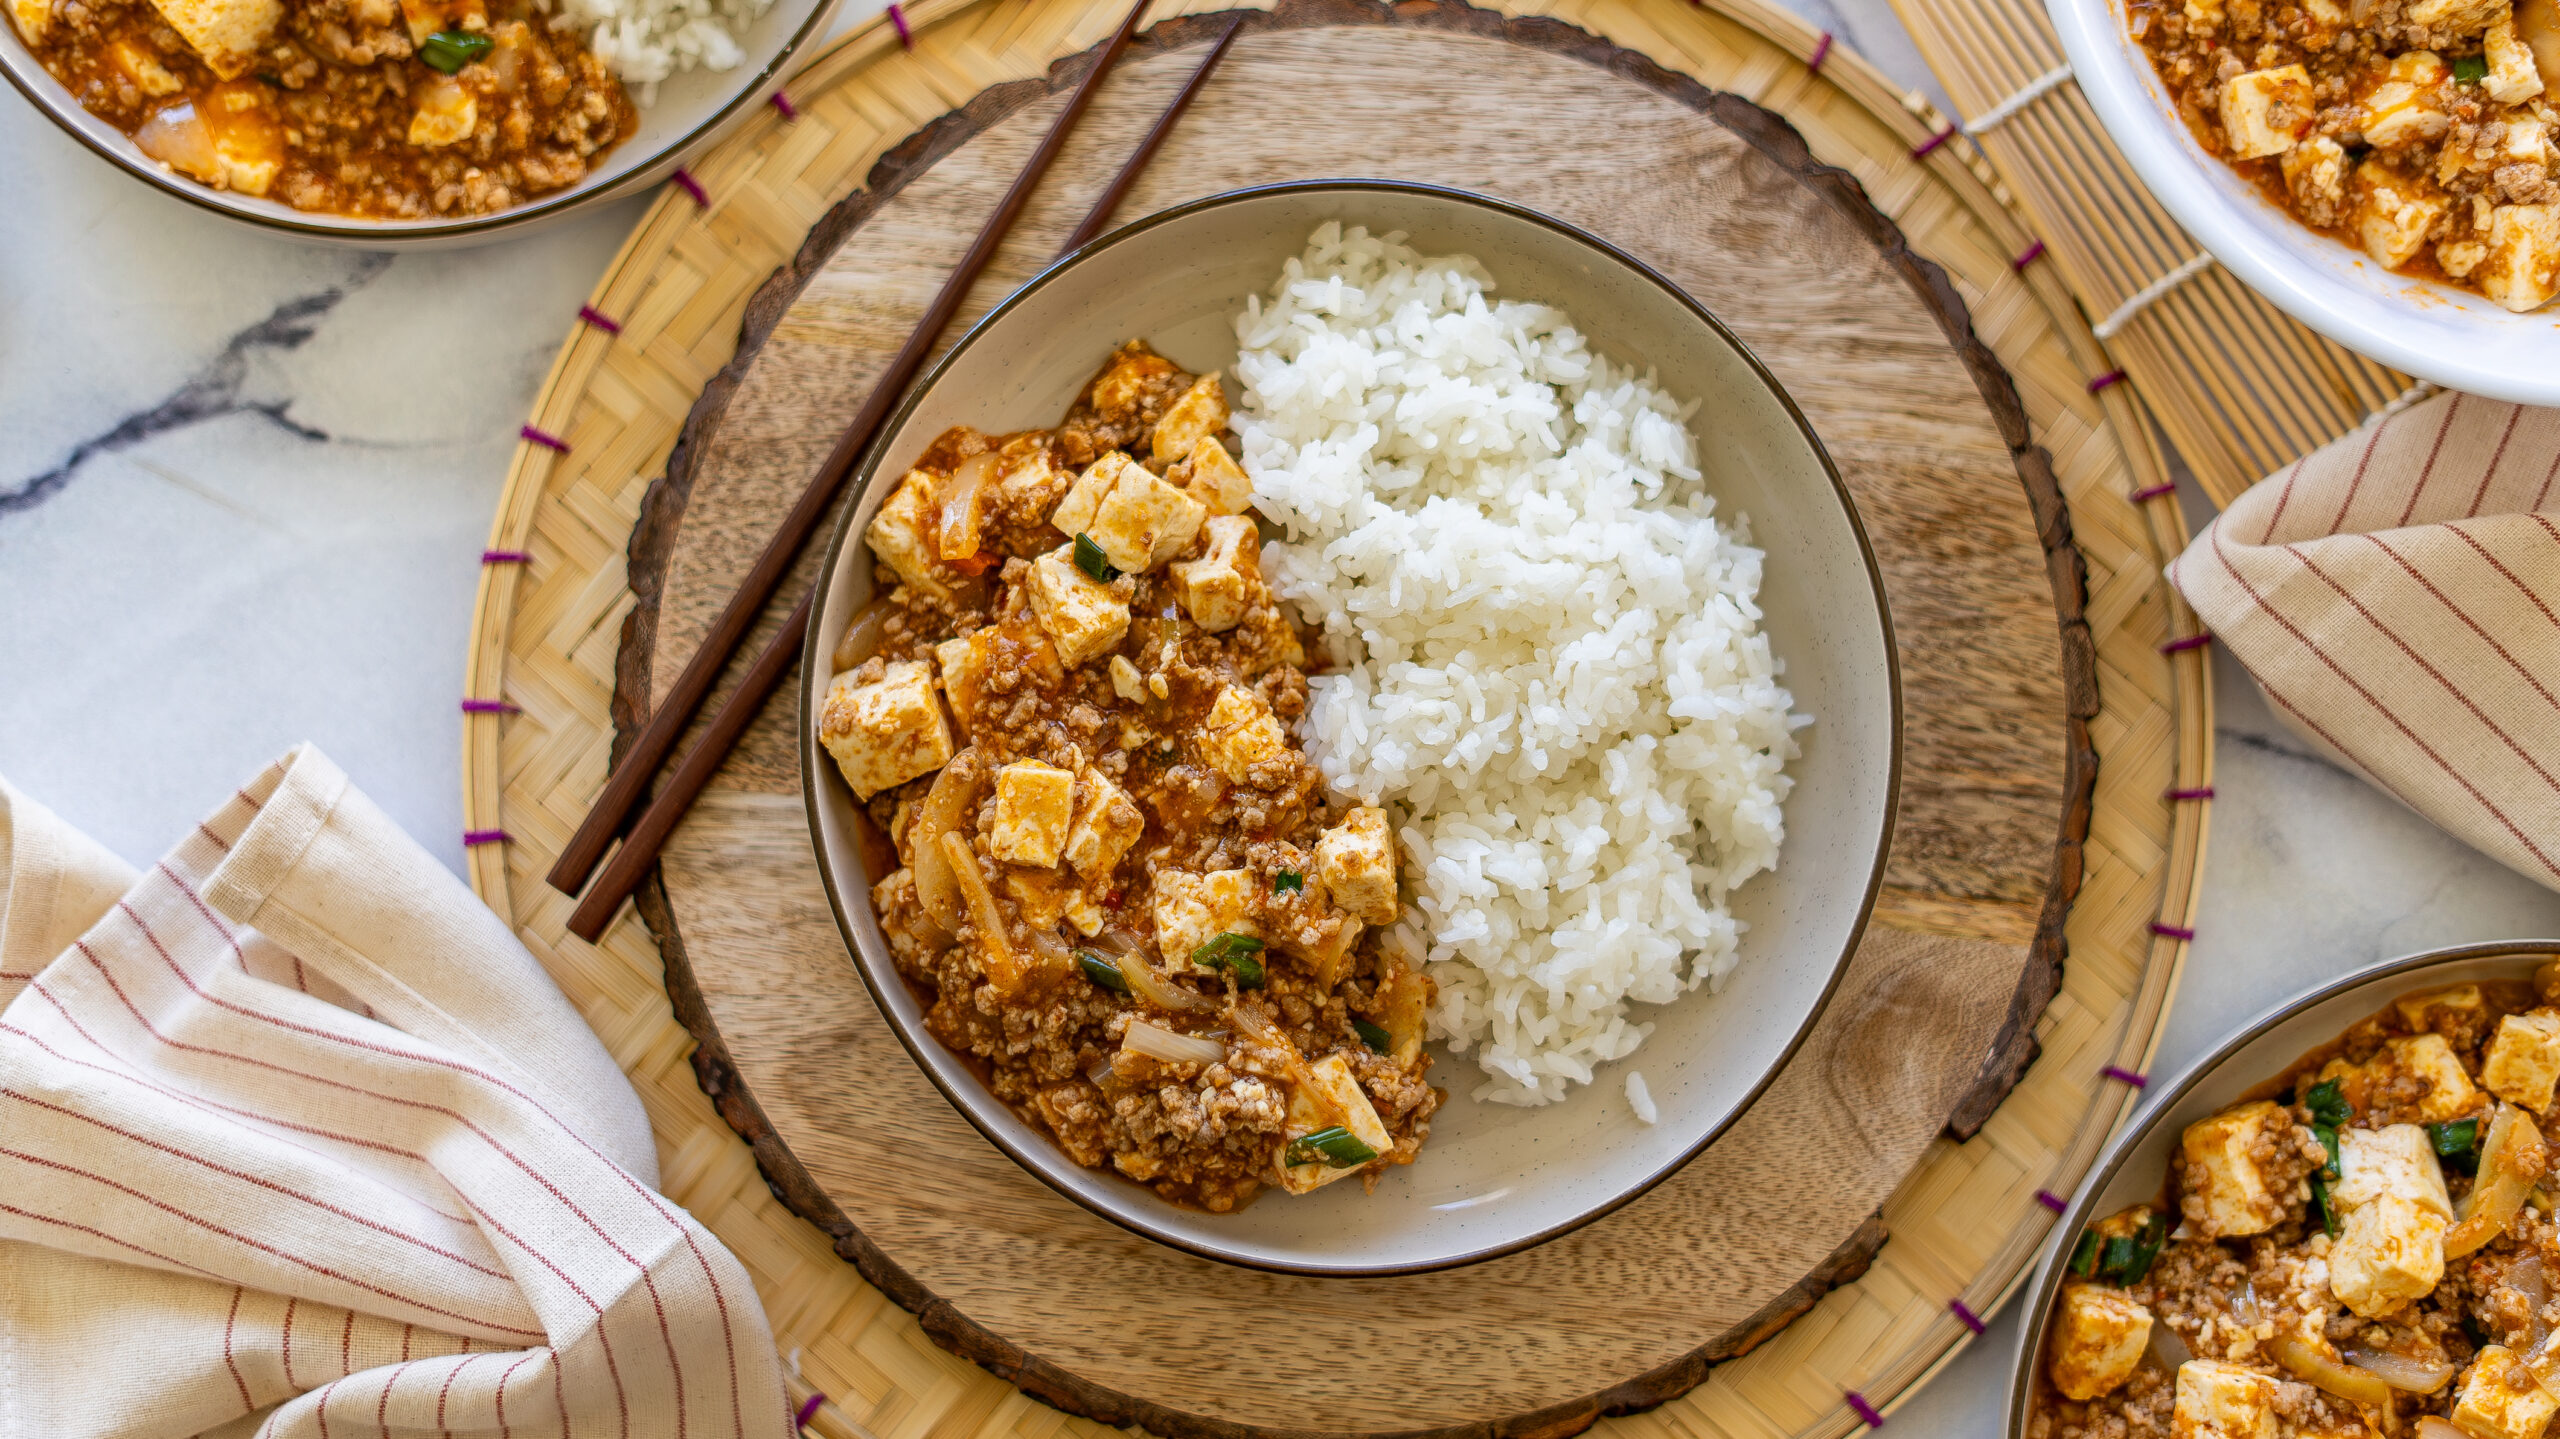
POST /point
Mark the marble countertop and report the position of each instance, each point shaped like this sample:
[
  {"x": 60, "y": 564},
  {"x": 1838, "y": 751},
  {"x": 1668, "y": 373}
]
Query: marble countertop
[{"x": 244, "y": 484}]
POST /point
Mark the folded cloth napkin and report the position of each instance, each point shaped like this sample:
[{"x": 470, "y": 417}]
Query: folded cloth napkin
[
  {"x": 297, "y": 1140},
  {"x": 2397, "y": 595}
]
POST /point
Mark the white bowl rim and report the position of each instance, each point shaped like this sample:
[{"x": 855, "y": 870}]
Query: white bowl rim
[
  {"x": 2159, "y": 1100},
  {"x": 814, "y": 653},
  {"x": 57, "y": 104},
  {"x": 2186, "y": 182}
]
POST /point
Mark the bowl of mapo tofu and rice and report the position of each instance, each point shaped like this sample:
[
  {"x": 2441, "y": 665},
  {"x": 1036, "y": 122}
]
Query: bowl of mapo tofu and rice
[
  {"x": 2339, "y": 1223},
  {"x": 1327, "y": 761}
]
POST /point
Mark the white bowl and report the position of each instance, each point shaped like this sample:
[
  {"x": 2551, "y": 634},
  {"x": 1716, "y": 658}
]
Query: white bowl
[
  {"x": 692, "y": 111},
  {"x": 2455, "y": 338},
  {"x": 2134, "y": 1166},
  {"x": 1493, "y": 1178}
]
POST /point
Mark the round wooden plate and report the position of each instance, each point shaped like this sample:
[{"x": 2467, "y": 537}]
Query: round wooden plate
[{"x": 1946, "y": 1000}]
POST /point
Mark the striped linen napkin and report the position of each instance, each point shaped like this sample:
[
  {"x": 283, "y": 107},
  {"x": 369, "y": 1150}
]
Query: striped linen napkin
[
  {"x": 297, "y": 1140},
  {"x": 2397, "y": 595}
]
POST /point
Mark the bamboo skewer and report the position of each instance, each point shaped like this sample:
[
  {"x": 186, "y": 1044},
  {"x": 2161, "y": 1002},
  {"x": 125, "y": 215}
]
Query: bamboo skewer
[
  {"x": 649, "y": 833},
  {"x": 629, "y": 783}
]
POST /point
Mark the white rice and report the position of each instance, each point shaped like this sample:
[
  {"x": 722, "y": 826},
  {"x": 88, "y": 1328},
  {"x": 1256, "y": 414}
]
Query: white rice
[
  {"x": 1547, "y": 647},
  {"x": 646, "y": 41}
]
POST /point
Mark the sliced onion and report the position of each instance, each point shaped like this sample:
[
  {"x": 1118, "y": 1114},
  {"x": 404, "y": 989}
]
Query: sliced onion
[
  {"x": 2436, "y": 1426},
  {"x": 1004, "y": 967},
  {"x": 1128, "y": 953},
  {"x": 2512, "y": 1161},
  {"x": 1258, "y": 1027},
  {"x": 964, "y": 506},
  {"x": 1157, "y": 1042},
  {"x": 951, "y": 802},
  {"x": 2356, "y": 1386},
  {"x": 2402, "y": 1371},
  {"x": 2167, "y": 1347},
  {"x": 862, "y": 637}
]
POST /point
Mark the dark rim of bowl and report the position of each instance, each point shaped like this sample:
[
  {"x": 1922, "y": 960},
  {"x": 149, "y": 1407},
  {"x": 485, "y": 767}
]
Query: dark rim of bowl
[
  {"x": 815, "y": 652},
  {"x": 58, "y": 105},
  {"x": 2157, "y": 1102}
]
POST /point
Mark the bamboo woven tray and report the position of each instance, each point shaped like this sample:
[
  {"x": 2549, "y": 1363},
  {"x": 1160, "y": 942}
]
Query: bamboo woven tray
[{"x": 1967, "y": 1219}]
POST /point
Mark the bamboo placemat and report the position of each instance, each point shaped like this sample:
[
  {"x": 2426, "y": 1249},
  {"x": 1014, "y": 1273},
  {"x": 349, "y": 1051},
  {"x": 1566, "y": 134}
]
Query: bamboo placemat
[
  {"x": 2241, "y": 388},
  {"x": 666, "y": 317}
]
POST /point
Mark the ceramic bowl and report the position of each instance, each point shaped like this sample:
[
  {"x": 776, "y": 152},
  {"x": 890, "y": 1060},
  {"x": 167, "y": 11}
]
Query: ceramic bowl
[
  {"x": 692, "y": 111},
  {"x": 2455, "y": 338},
  {"x": 1493, "y": 1178},
  {"x": 2132, "y": 1167}
]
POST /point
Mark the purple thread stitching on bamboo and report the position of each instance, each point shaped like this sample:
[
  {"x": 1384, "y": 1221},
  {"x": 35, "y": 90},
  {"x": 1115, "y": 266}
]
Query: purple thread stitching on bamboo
[
  {"x": 2051, "y": 1200},
  {"x": 2171, "y": 931},
  {"x": 1967, "y": 1317},
  {"x": 2204, "y": 793},
  {"x": 783, "y": 103},
  {"x": 684, "y": 181},
  {"x": 1864, "y": 1410},
  {"x": 898, "y": 18},
  {"x": 2153, "y": 492},
  {"x": 807, "y": 1411},
  {"x": 600, "y": 319},
  {"x": 490, "y": 707},
  {"x": 544, "y": 438},
  {"x": 2109, "y": 378},
  {"x": 2124, "y": 1076},
  {"x": 2027, "y": 257},
  {"x": 2189, "y": 642},
  {"x": 504, "y": 557},
  {"x": 472, "y": 838},
  {"x": 1928, "y": 147},
  {"x": 1821, "y": 52}
]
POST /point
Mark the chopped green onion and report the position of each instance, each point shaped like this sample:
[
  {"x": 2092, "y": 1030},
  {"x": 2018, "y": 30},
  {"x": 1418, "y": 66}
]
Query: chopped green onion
[
  {"x": 2116, "y": 1258},
  {"x": 1374, "y": 1036},
  {"x": 1091, "y": 560},
  {"x": 1335, "y": 1148},
  {"x": 1288, "y": 881},
  {"x": 2470, "y": 69},
  {"x": 2084, "y": 1255},
  {"x": 2328, "y": 1208},
  {"x": 2327, "y": 1104},
  {"x": 450, "y": 50},
  {"x": 1102, "y": 971},
  {"x": 2459, "y": 1136},
  {"x": 2328, "y": 1138},
  {"x": 2154, "y": 1233},
  {"x": 1237, "y": 952}
]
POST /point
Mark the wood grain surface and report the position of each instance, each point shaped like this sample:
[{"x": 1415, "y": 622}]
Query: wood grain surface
[{"x": 1935, "y": 1016}]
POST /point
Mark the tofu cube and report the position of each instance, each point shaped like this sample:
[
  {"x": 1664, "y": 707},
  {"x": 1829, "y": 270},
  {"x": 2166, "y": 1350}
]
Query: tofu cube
[
  {"x": 2238, "y": 1197},
  {"x": 229, "y": 34},
  {"x": 138, "y": 64},
  {"x": 2450, "y": 1093},
  {"x": 886, "y": 732},
  {"x": 1082, "y": 616},
  {"x": 1074, "y": 514},
  {"x": 901, "y": 535},
  {"x": 2453, "y": 18},
  {"x": 2513, "y": 76},
  {"x": 1199, "y": 414},
  {"x": 2522, "y": 270},
  {"x": 1216, "y": 588},
  {"x": 1107, "y": 822},
  {"x": 2098, "y": 1341},
  {"x": 1356, "y": 860},
  {"x": 1217, "y": 481},
  {"x": 2524, "y": 1059},
  {"x": 2501, "y": 1399},
  {"x": 2393, "y": 1161},
  {"x": 426, "y": 17},
  {"x": 962, "y": 664},
  {"x": 2388, "y": 1252},
  {"x": 1144, "y": 522},
  {"x": 2401, "y": 110},
  {"x": 1193, "y": 909},
  {"x": 446, "y": 114},
  {"x": 2265, "y": 111},
  {"x": 1034, "y": 802},
  {"x": 2455, "y": 1005},
  {"x": 2223, "y": 1401},
  {"x": 2392, "y": 214},
  {"x": 33, "y": 18},
  {"x": 1084, "y": 914},
  {"x": 2315, "y": 172},
  {"x": 1241, "y": 732},
  {"x": 1331, "y": 1097},
  {"x": 2204, "y": 15}
]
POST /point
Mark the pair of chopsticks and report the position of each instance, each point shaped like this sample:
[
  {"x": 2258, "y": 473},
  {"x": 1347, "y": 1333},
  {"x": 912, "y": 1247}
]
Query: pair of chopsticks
[{"x": 629, "y": 782}]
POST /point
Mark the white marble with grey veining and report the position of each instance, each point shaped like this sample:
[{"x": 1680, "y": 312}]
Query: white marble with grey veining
[{"x": 244, "y": 484}]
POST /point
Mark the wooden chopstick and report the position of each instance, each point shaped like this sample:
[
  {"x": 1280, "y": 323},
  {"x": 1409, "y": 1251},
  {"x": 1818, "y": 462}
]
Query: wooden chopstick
[
  {"x": 649, "y": 834},
  {"x": 629, "y": 782}
]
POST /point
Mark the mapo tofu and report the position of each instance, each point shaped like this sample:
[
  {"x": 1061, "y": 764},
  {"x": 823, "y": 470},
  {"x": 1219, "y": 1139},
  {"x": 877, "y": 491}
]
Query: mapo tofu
[{"x": 1118, "y": 879}]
